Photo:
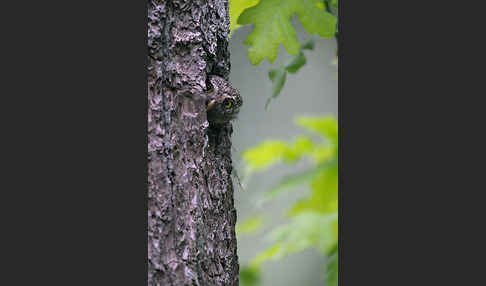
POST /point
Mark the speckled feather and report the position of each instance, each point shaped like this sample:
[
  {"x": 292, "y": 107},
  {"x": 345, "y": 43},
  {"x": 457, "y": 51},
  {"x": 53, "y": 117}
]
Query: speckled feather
[{"x": 224, "y": 101}]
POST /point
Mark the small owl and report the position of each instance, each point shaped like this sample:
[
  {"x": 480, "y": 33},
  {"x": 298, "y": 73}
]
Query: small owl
[{"x": 224, "y": 101}]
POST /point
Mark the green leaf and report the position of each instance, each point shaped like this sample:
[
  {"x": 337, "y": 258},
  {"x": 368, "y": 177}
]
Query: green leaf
[
  {"x": 296, "y": 63},
  {"x": 249, "y": 225},
  {"x": 236, "y": 7},
  {"x": 308, "y": 45},
  {"x": 274, "y": 252},
  {"x": 271, "y": 151},
  {"x": 289, "y": 182},
  {"x": 264, "y": 154},
  {"x": 301, "y": 145},
  {"x": 324, "y": 153},
  {"x": 313, "y": 219},
  {"x": 316, "y": 19},
  {"x": 306, "y": 230},
  {"x": 277, "y": 76},
  {"x": 327, "y": 126},
  {"x": 324, "y": 195},
  {"x": 250, "y": 275},
  {"x": 334, "y": 3},
  {"x": 272, "y": 26},
  {"x": 295, "y": 180},
  {"x": 274, "y": 73}
]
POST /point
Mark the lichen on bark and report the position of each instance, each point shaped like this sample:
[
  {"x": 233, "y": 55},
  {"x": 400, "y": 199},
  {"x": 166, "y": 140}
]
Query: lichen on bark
[{"x": 191, "y": 214}]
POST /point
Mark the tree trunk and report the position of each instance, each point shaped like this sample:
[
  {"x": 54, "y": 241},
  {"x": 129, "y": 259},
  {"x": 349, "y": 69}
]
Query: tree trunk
[{"x": 191, "y": 214}]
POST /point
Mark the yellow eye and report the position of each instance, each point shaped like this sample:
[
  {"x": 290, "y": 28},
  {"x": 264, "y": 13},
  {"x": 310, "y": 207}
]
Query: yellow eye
[{"x": 228, "y": 103}]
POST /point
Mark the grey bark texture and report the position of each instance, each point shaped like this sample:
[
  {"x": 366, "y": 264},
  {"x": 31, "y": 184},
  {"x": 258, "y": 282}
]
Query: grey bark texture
[{"x": 191, "y": 213}]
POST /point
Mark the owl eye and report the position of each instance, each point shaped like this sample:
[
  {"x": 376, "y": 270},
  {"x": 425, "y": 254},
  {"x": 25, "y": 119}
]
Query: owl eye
[{"x": 227, "y": 103}]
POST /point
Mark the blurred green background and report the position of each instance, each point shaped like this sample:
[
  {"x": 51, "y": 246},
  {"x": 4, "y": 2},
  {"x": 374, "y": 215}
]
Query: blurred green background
[{"x": 313, "y": 91}]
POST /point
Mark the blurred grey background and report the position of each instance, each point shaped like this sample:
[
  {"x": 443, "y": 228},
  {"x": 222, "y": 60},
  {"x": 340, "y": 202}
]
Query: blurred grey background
[{"x": 313, "y": 90}]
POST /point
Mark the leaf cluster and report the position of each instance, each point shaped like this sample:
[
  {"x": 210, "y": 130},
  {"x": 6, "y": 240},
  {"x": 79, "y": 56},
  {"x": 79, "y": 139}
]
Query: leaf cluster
[
  {"x": 313, "y": 219},
  {"x": 272, "y": 25}
]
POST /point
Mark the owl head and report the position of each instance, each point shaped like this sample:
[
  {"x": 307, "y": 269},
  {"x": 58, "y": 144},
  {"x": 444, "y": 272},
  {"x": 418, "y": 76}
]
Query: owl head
[{"x": 224, "y": 101}]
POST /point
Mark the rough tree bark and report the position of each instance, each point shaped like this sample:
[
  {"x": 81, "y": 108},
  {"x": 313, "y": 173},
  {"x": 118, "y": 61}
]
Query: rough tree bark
[{"x": 191, "y": 214}]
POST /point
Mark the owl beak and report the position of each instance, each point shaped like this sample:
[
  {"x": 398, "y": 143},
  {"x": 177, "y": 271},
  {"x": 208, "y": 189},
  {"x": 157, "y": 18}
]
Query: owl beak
[{"x": 210, "y": 104}]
